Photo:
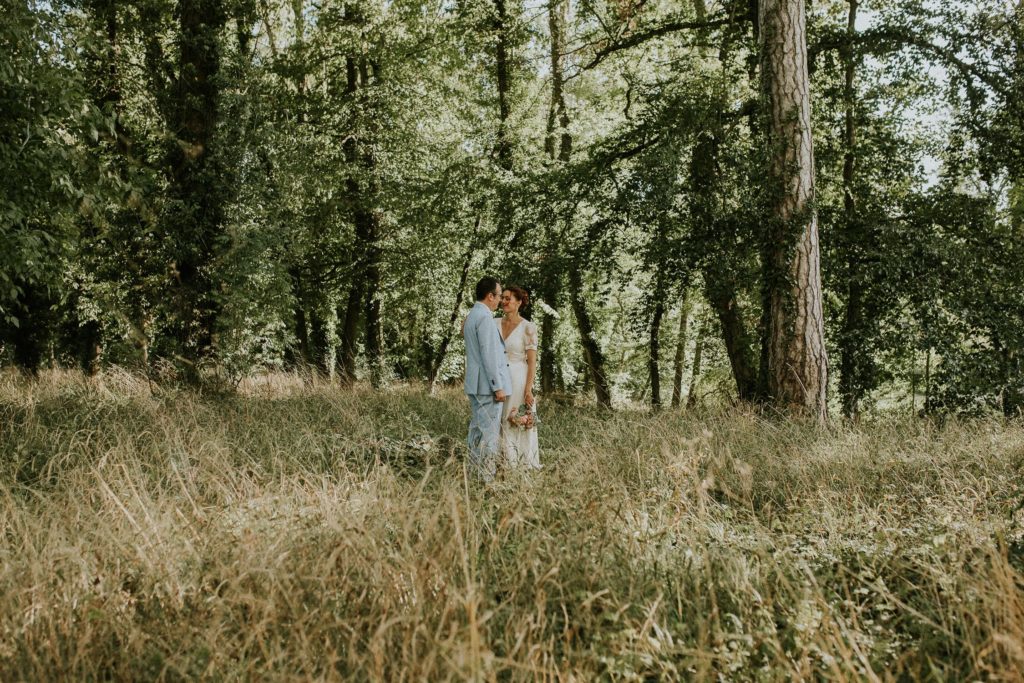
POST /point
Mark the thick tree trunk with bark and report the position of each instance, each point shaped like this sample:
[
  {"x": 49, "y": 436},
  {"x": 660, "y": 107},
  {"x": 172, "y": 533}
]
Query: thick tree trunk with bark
[
  {"x": 196, "y": 187},
  {"x": 798, "y": 365}
]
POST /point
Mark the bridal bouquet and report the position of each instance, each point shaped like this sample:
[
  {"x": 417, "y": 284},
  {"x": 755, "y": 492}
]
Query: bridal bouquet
[{"x": 524, "y": 417}]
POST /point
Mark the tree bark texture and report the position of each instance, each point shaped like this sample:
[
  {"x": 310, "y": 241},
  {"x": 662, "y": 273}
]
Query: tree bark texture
[{"x": 798, "y": 364}]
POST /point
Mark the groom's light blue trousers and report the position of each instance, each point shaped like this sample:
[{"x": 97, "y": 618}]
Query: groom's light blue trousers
[{"x": 484, "y": 435}]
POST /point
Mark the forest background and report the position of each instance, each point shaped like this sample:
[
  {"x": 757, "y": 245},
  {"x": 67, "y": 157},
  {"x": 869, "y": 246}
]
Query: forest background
[
  {"x": 208, "y": 189},
  {"x": 236, "y": 239}
]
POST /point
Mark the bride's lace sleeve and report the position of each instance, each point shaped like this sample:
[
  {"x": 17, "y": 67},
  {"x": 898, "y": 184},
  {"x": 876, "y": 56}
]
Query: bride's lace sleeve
[{"x": 531, "y": 337}]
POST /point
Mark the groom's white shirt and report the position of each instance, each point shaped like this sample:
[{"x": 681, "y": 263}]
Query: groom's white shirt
[{"x": 486, "y": 364}]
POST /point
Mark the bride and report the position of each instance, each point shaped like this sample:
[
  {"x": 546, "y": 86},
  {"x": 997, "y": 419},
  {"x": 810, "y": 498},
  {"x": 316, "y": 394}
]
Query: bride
[{"x": 518, "y": 443}]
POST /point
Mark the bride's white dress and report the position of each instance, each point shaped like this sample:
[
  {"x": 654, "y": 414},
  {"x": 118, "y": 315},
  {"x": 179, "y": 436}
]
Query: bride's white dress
[{"x": 519, "y": 446}]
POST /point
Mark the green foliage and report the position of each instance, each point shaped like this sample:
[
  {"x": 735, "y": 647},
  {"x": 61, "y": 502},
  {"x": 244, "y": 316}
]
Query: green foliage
[
  {"x": 44, "y": 113},
  {"x": 297, "y": 185}
]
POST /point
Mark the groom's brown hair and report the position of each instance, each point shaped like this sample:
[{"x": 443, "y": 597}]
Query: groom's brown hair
[{"x": 486, "y": 286}]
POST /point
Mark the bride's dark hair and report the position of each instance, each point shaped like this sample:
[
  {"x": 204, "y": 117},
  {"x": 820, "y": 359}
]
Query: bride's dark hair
[{"x": 521, "y": 294}]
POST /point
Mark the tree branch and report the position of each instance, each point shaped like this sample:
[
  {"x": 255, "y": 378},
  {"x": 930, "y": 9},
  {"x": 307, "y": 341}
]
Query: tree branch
[
  {"x": 640, "y": 37},
  {"x": 887, "y": 40}
]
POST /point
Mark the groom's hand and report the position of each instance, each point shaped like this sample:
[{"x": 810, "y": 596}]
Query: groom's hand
[{"x": 500, "y": 396}]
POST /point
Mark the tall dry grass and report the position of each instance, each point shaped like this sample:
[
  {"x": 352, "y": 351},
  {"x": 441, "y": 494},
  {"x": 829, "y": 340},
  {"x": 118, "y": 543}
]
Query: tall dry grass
[{"x": 296, "y": 532}]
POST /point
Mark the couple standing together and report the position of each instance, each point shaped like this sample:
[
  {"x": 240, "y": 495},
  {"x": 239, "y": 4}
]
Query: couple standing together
[{"x": 501, "y": 362}]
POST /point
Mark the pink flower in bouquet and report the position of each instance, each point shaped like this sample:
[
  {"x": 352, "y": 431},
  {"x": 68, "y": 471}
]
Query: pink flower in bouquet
[{"x": 523, "y": 417}]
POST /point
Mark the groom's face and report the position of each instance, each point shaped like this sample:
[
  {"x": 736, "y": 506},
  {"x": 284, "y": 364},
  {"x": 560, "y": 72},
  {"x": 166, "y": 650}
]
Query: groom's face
[{"x": 493, "y": 299}]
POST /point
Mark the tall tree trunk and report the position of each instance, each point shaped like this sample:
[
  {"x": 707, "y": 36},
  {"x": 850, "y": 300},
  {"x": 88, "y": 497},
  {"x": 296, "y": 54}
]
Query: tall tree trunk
[
  {"x": 504, "y": 144},
  {"x": 305, "y": 358},
  {"x": 108, "y": 97},
  {"x": 591, "y": 347},
  {"x": 851, "y": 386},
  {"x": 548, "y": 355},
  {"x": 679, "y": 362},
  {"x": 592, "y": 353},
  {"x": 370, "y": 215},
  {"x": 559, "y": 152},
  {"x": 698, "y": 357},
  {"x": 504, "y": 80},
  {"x": 798, "y": 364},
  {"x": 302, "y": 336},
  {"x": 654, "y": 352},
  {"x": 348, "y": 332},
  {"x": 719, "y": 280},
  {"x": 319, "y": 344},
  {"x": 196, "y": 191},
  {"x": 1013, "y": 387},
  {"x": 557, "y": 111},
  {"x": 363, "y": 189},
  {"x": 721, "y": 293},
  {"x": 374, "y": 323}
]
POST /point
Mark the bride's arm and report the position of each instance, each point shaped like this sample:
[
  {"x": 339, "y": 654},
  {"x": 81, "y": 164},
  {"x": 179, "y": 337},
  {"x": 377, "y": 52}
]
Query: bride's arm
[
  {"x": 531, "y": 362},
  {"x": 531, "y": 371}
]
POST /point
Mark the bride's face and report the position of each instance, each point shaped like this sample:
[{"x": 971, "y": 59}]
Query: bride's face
[{"x": 509, "y": 304}]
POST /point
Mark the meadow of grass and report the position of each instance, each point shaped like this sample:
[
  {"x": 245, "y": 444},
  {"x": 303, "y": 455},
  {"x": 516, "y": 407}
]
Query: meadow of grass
[{"x": 293, "y": 532}]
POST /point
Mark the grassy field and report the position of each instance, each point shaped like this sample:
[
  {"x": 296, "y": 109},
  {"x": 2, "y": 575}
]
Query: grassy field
[{"x": 294, "y": 532}]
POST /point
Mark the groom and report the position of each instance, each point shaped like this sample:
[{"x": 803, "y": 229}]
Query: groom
[{"x": 487, "y": 379}]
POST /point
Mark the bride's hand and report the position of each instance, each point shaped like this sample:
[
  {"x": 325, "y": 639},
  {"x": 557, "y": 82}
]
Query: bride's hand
[{"x": 529, "y": 398}]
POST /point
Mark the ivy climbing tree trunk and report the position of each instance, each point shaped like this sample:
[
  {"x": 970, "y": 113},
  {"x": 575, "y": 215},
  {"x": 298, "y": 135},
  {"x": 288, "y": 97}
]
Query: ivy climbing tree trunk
[
  {"x": 798, "y": 364},
  {"x": 196, "y": 189}
]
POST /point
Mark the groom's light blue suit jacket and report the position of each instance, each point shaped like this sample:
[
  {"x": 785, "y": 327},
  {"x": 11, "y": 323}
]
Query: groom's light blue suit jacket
[{"x": 486, "y": 363}]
